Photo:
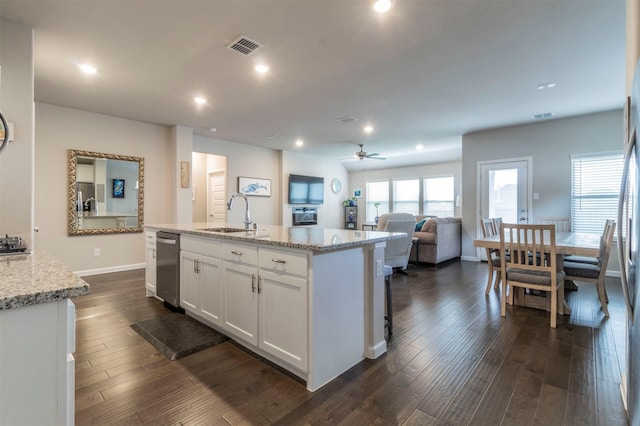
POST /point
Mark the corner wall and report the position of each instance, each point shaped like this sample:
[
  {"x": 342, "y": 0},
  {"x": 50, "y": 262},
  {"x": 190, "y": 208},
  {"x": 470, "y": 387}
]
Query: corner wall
[
  {"x": 550, "y": 144},
  {"x": 16, "y": 103},
  {"x": 59, "y": 129}
]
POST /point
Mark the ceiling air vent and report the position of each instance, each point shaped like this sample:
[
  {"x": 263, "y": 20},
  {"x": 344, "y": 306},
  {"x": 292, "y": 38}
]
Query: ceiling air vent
[
  {"x": 244, "y": 46},
  {"x": 542, "y": 116},
  {"x": 346, "y": 119}
]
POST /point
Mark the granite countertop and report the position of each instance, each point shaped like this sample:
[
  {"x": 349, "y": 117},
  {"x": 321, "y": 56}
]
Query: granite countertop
[
  {"x": 30, "y": 279},
  {"x": 313, "y": 238}
]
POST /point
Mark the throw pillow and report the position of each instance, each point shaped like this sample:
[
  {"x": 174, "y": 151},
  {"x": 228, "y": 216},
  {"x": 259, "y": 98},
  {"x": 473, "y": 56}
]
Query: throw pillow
[{"x": 420, "y": 224}]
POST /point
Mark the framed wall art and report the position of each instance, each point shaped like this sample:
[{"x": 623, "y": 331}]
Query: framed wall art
[
  {"x": 118, "y": 188},
  {"x": 254, "y": 186}
]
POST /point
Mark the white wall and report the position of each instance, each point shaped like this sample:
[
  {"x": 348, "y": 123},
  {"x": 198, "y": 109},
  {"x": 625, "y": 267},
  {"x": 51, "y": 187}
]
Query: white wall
[
  {"x": 358, "y": 180},
  {"x": 330, "y": 212},
  {"x": 59, "y": 129},
  {"x": 16, "y": 103},
  {"x": 247, "y": 161},
  {"x": 550, "y": 144}
]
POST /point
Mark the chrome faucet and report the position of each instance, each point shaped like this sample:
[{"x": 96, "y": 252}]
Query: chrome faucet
[
  {"x": 247, "y": 217},
  {"x": 87, "y": 203}
]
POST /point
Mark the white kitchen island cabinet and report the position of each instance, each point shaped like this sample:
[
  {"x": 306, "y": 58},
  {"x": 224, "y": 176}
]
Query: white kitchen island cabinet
[
  {"x": 150, "y": 269},
  {"x": 308, "y": 299},
  {"x": 37, "y": 340}
]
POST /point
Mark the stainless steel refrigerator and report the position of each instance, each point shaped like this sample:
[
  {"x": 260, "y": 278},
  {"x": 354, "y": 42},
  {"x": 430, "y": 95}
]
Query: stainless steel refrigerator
[{"x": 629, "y": 215}]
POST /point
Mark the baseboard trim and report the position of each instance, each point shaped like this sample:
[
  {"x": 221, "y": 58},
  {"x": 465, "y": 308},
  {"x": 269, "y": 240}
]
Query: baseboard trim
[
  {"x": 110, "y": 269},
  {"x": 470, "y": 258}
]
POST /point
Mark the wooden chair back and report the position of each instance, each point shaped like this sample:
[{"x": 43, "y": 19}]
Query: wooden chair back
[{"x": 532, "y": 262}]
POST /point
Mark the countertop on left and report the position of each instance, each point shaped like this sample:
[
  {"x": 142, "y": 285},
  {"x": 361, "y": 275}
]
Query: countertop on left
[{"x": 30, "y": 279}]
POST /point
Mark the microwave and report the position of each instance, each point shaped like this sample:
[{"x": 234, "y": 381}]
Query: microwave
[{"x": 304, "y": 216}]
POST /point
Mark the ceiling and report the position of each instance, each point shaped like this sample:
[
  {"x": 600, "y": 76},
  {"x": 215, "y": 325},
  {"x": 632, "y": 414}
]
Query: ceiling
[{"x": 426, "y": 72}]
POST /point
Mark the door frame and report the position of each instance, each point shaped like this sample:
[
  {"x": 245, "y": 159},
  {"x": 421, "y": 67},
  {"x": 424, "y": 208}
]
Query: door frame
[{"x": 479, "y": 166}]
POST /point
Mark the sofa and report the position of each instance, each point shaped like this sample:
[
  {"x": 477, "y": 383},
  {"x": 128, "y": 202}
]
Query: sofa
[{"x": 438, "y": 239}]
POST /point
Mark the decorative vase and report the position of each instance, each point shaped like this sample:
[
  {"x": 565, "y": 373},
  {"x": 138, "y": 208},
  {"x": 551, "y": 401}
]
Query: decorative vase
[{"x": 377, "y": 219}]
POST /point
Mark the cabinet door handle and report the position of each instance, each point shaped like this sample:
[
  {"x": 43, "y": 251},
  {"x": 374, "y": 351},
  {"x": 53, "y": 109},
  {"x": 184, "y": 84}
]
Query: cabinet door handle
[
  {"x": 195, "y": 269},
  {"x": 237, "y": 253},
  {"x": 197, "y": 266},
  {"x": 253, "y": 283},
  {"x": 259, "y": 284},
  {"x": 154, "y": 253},
  {"x": 278, "y": 261}
]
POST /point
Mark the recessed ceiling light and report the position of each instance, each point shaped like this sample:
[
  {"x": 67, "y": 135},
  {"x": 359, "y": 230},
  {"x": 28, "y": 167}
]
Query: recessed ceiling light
[
  {"x": 381, "y": 6},
  {"x": 261, "y": 68},
  {"x": 299, "y": 142},
  {"x": 419, "y": 147},
  {"x": 213, "y": 129},
  {"x": 87, "y": 69},
  {"x": 200, "y": 100},
  {"x": 368, "y": 129},
  {"x": 547, "y": 85}
]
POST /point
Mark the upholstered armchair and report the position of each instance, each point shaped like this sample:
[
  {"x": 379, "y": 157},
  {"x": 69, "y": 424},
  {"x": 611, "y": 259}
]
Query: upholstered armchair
[{"x": 397, "y": 251}]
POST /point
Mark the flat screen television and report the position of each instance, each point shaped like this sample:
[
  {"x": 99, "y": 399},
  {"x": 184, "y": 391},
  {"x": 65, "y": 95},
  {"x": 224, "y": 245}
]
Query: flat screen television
[{"x": 306, "y": 189}]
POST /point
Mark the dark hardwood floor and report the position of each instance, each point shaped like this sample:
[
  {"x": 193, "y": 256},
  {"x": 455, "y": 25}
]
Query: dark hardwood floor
[{"x": 452, "y": 360}]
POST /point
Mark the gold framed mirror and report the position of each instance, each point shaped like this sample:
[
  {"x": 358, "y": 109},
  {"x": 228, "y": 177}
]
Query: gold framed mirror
[{"x": 105, "y": 193}]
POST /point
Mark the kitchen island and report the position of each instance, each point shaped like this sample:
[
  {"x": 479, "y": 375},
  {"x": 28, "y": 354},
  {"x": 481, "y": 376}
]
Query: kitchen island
[
  {"x": 37, "y": 339},
  {"x": 309, "y": 299}
]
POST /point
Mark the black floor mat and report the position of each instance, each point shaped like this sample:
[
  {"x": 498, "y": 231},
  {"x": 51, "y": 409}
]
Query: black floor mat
[{"x": 177, "y": 335}]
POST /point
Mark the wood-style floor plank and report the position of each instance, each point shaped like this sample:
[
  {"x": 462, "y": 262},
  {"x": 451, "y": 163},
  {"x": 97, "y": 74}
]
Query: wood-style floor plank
[{"x": 453, "y": 360}]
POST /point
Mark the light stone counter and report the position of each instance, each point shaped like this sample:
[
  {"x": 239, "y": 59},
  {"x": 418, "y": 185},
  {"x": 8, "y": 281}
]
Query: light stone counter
[
  {"x": 313, "y": 238},
  {"x": 36, "y": 278}
]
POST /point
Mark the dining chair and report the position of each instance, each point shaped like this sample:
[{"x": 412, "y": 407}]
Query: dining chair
[
  {"x": 526, "y": 244},
  {"x": 493, "y": 255},
  {"x": 595, "y": 273}
]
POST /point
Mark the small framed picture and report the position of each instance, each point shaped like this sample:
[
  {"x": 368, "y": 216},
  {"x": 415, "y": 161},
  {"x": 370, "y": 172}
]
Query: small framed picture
[
  {"x": 254, "y": 186},
  {"x": 357, "y": 193},
  {"x": 118, "y": 188}
]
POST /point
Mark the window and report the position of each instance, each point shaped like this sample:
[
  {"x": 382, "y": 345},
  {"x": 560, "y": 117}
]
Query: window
[
  {"x": 377, "y": 192},
  {"x": 595, "y": 183},
  {"x": 406, "y": 196},
  {"x": 438, "y": 196}
]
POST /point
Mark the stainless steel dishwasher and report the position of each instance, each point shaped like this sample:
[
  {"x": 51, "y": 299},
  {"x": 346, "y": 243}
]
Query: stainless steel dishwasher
[{"x": 168, "y": 268}]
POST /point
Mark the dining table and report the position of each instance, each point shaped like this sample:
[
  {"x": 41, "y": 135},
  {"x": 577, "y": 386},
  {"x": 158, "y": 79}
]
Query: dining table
[{"x": 567, "y": 243}]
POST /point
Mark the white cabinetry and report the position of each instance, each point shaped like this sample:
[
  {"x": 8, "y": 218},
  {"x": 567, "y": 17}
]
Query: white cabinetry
[
  {"x": 283, "y": 317},
  {"x": 37, "y": 365},
  {"x": 240, "y": 280},
  {"x": 201, "y": 278},
  {"x": 257, "y": 295},
  {"x": 150, "y": 269}
]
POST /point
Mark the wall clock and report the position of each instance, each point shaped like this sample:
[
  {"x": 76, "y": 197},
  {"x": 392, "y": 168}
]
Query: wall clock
[{"x": 335, "y": 185}]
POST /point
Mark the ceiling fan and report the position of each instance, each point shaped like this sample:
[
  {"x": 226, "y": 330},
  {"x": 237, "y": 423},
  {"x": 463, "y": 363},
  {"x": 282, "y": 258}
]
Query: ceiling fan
[{"x": 361, "y": 155}]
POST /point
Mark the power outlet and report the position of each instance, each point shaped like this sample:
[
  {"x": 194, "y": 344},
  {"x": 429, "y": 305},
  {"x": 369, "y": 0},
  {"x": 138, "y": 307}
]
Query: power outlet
[
  {"x": 379, "y": 268},
  {"x": 96, "y": 252}
]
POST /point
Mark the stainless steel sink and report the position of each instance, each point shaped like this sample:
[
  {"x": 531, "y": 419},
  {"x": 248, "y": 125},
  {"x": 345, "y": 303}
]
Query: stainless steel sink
[{"x": 224, "y": 230}]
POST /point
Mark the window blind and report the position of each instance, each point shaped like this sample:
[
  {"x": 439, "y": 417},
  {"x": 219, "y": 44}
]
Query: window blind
[{"x": 595, "y": 184}]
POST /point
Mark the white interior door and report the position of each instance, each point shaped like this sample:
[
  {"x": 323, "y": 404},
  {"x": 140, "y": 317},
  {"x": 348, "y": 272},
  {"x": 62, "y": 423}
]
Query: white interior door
[
  {"x": 216, "y": 197},
  {"x": 505, "y": 191}
]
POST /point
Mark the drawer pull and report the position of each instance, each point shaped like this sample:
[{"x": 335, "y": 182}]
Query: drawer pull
[
  {"x": 237, "y": 253},
  {"x": 278, "y": 261}
]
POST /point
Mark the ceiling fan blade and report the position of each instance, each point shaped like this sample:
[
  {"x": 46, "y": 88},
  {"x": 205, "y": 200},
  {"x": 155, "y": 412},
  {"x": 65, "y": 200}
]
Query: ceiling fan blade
[
  {"x": 376, "y": 158},
  {"x": 373, "y": 154}
]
